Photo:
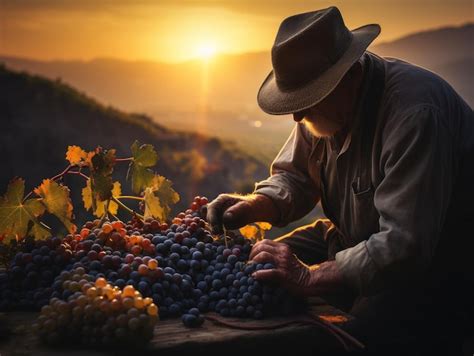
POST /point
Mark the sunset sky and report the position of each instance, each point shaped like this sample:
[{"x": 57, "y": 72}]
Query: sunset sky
[{"x": 175, "y": 30}]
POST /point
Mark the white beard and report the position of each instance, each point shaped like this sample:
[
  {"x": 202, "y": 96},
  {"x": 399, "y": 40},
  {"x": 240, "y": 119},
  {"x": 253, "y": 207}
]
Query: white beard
[{"x": 322, "y": 127}]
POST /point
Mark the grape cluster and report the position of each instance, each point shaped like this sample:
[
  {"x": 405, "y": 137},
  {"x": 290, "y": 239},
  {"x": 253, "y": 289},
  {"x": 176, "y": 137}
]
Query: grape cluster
[
  {"x": 179, "y": 267},
  {"x": 28, "y": 283},
  {"x": 97, "y": 314}
]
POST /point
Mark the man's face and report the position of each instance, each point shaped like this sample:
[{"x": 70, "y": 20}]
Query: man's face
[
  {"x": 321, "y": 120},
  {"x": 330, "y": 115}
]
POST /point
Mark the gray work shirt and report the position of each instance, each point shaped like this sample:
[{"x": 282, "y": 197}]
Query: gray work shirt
[{"x": 392, "y": 221}]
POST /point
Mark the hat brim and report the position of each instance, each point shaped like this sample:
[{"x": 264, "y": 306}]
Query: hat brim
[{"x": 276, "y": 101}]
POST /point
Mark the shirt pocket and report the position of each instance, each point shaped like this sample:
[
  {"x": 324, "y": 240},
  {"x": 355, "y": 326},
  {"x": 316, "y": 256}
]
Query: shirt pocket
[{"x": 364, "y": 216}]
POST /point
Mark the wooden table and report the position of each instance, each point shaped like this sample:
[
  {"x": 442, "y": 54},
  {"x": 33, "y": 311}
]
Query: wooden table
[{"x": 172, "y": 338}]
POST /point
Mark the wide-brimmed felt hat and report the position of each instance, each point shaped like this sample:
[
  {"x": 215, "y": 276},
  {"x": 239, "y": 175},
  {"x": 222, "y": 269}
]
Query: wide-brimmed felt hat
[{"x": 311, "y": 54}]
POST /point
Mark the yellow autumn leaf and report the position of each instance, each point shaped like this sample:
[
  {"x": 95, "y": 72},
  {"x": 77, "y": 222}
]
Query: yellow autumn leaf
[
  {"x": 153, "y": 207},
  {"x": 249, "y": 231},
  {"x": 57, "y": 201},
  {"x": 100, "y": 205},
  {"x": 264, "y": 225},
  {"x": 159, "y": 197},
  {"x": 89, "y": 157},
  {"x": 75, "y": 155}
]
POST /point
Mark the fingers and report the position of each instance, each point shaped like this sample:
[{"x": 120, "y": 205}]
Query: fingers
[
  {"x": 264, "y": 257},
  {"x": 264, "y": 245},
  {"x": 270, "y": 275},
  {"x": 275, "y": 248},
  {"x": 238, "y": 215},
  {"x": 216, "y": 209}
]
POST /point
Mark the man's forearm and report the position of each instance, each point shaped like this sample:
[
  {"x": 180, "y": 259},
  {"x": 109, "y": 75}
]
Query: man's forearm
[{"x": 325, "y": 278}]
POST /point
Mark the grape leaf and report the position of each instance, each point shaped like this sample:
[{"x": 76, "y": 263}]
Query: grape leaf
[
  {"x": 99, "y": 209},
  {"x": 144, "y": 157},
  {"x": 57, "y": 201},
  {"x": 264, "y": 225},
  {"x": 75, "y": 155},
  {"x": 158, "y": 198},
  {"x": 249, "y": 231},
  {"x": 102, "y": 166},
  {"x": 39, "y": 232},
  {"x": 153, "y": 206},
  {"x": 15, "y": 216}
]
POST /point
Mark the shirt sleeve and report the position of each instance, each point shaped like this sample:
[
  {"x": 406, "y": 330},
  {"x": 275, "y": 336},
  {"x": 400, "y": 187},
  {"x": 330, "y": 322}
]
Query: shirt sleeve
[
  {"x": 290, "y": 185},
  {"x": 412, "y": 200}
]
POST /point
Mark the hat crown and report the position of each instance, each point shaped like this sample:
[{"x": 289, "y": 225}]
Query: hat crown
[{"x": 307, "y": 44}]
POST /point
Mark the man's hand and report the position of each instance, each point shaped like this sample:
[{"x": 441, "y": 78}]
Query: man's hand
[
  {"x": 293, "y": 274},
  {"x": 234, "y": 211}
]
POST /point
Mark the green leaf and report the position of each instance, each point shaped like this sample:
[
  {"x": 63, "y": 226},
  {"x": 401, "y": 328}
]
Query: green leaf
[
  {"x": 15, "y": 216},
  {"x": 102, "y": 166},
  {"x": 144, "y": 157},
  {"x": 57, "y": 201},
  {"x": 158, "y": 198}
]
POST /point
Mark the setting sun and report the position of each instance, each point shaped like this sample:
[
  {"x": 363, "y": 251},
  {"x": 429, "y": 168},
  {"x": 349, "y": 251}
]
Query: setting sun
[{"x": 206, "y": 50}]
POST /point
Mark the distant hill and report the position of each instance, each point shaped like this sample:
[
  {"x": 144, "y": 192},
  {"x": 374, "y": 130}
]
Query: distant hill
[
  {"x": 175, "y": 94},
  {"x": 40, "y": 118},
  {"x": 233, "y": 80},
  {"x": 448, "y": 52},
  {"x": 432, "y": 48}
]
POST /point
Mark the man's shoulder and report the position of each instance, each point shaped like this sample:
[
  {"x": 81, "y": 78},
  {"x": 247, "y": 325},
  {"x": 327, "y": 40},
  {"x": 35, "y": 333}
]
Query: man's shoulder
[{"x": 409, "y": 86}]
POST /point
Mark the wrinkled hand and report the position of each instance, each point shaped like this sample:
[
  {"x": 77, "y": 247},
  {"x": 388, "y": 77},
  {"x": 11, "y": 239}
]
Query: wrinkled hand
[
  {"x": 293, "y": 274},
  {"x": 235, "y": 210}
]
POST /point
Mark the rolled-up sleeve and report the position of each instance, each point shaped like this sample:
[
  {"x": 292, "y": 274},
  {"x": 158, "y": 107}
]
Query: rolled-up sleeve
[
  {"x": 290, "y": 186},
  {"x": 412, "y": 200}
]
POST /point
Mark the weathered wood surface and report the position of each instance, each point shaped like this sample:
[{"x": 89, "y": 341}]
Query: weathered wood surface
[{"x": 172, "y": 338}]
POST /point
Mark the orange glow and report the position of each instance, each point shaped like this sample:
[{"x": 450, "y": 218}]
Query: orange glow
[
  {"x": 334, "y": 318},
  {"x": 169, "y": 31}
]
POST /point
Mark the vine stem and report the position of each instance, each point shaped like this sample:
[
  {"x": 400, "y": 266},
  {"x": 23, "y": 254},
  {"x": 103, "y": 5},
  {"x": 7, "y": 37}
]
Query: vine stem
[
  {"x": 79, "y": 173},
  {"x": 67, "y": 170},
  {"x": 225, "y": 237},
  {"x": 127, "y": 208},
  {"x": 115, "y": 217},
  {"x": 130, "y": 197},
  {"x": 60, "y": 175},
  {"x": 124, "y": 159}
]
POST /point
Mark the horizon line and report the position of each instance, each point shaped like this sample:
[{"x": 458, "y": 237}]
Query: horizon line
[{"x": 217, "y": 55}]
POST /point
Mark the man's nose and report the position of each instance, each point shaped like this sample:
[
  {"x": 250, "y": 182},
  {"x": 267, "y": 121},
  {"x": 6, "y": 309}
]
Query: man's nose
[{"x": 298, "y": 116}]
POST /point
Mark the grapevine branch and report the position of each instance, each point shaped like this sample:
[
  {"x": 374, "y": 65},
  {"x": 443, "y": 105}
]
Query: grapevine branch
[
  {"x": 130, "y": 197},
  {"x": 127, "y": 208},
  {"x": 58, "y": 176},
  {"x": 54, "y": 197}
]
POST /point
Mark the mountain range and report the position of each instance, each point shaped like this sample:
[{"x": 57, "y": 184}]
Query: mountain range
[{"x": 218, "y": 97}]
